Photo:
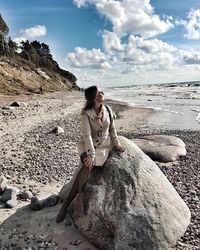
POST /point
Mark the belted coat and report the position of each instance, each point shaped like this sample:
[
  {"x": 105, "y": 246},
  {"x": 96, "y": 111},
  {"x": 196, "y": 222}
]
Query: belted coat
[{"x": 97, "y": 136}]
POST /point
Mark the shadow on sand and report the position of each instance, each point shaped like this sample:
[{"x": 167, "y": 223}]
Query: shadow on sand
[{"x": 39, "y": 228}]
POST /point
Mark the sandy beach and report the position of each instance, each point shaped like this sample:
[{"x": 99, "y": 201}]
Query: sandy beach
[{"x": 33, "y": 158}]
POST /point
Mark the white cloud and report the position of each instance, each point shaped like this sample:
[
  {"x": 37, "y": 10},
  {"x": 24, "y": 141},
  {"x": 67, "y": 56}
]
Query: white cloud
[
  {"x": 190, "y": 56},
  {"x": 138, "y": 51},
  {"x": 36, "y": 31},
  {"x": 111, "y": 42},
  {"x": 83, "y": 58},
  {"x": 191, "y": 25},
  {"x": 33, "y": 32},
  {"x": 130, "y": 52},
  {"x": 18, "y": 40},
  {"x": 150, "y": 45},
  {"x": 130, "y": 16}
]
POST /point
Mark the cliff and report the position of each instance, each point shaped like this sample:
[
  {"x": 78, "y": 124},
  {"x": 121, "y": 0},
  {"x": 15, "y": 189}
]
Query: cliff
[{"x": 20, "y": 76}]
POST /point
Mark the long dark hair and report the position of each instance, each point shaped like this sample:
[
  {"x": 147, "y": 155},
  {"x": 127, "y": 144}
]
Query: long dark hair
[{"x": 90, "y": 96}]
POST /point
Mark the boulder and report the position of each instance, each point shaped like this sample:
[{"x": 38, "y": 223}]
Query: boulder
[
  {"x": 161, "y": 148},
  {"x": 130, "y": 204}
]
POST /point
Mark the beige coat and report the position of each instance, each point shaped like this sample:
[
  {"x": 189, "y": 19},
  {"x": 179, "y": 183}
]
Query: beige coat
[{"x": 97, "y": 138}]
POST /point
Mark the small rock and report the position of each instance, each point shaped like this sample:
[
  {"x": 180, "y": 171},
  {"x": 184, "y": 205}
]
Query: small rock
[
  {"x": 38, "y": 240},
  {"x": 15, "y": 104},
  {"x": 10, "y": 193},
  {"x": 11, "y": 203},
  {"x": 3, "y": 182},
  {"x": 15, "y": 238},
  {"x": 58, "y": 130},
  {"x": 77, "y": 242},
  {"x": 51, "y": 201},
  {"x": 26, "y": 195},
  {"x": 23, "y": 104},
  {"x": 18, "y": 248},
  {"x": 34, "y": 247}
]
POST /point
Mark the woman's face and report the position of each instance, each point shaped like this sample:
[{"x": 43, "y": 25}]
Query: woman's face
[{"x": 100, "y": 96}]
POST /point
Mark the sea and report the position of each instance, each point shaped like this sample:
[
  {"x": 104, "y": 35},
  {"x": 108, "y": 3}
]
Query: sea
[{"x": 176, "y": 105}]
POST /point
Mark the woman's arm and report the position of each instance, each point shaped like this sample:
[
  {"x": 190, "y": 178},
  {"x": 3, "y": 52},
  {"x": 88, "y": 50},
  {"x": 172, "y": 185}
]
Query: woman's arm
[
  {"x": 113, "y": 134},
  {"x": 112, "y": 130}
]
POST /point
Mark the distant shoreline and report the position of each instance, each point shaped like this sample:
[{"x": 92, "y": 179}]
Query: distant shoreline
[{"x": 169, "y": 84}]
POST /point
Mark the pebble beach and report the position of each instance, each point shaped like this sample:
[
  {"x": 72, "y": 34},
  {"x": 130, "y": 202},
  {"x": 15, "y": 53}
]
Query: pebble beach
[{"x": 34, "y": 158}]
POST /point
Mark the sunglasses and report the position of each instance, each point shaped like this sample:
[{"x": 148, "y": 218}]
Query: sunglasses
[{"x": 101, "y": 92}]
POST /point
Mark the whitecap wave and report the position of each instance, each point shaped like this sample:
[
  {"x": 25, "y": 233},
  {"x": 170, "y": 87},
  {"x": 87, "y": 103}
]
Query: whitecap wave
[
  {"x": 198, "y": 118},
  {"x": 195, "y": 110}
]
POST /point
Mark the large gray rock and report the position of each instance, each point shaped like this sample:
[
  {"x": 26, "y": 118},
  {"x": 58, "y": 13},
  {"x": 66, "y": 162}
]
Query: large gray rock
[
  {"x": 162, "y": 148},
  {"x": 130, "y": 204}
]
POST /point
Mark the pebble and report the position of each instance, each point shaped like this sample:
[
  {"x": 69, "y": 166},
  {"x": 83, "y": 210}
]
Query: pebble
[
  {"x": 33, "y": 248},
  {"x": 3, "y": 182},
  {"x": 77, "y": 242},
  {"x": 11, "y": 203},
  {"x": 26, "y": 195}
]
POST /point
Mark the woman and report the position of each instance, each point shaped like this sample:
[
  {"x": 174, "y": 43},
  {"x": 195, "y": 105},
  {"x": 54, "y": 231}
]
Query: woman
[{"x": 98, "y": 138}]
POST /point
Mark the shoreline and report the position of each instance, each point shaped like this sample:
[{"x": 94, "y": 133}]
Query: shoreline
[
  {"x": 41, "y": 161},
  {"x": 172, "y": 108}
]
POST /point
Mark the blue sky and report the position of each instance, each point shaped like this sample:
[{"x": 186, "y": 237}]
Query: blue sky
[{"x": 113, "y": 42}]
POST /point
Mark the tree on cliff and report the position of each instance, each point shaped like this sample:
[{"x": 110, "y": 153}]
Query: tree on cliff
[
  {"x": 38, "y": 54},
  {"x": 3, "y": 33},
  {"x": 12, "y": 47}
]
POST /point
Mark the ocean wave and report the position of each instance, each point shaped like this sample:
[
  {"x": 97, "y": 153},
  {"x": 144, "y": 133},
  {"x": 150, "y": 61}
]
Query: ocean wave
[
  {"x": 195, "y": 110},
  {"x": 158, "y": 109},
  {"x": 187, "y": 98},
  {"x": 162, "y": 85},
  {"x": 198, "y": 118}
]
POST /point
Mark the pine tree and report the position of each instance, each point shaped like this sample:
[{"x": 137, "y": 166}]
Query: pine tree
[
  {"x": 12, "y": 47},
  {"x": 3, "y": 33}
]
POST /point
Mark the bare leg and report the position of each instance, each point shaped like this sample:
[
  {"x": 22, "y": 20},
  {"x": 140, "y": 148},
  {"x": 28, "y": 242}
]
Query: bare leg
[
  {"x": 78, "y": 187},
  {"x": 82, "y": 181}
]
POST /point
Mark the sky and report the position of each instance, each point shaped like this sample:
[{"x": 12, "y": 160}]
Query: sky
[{"x": 113, "y": 42}]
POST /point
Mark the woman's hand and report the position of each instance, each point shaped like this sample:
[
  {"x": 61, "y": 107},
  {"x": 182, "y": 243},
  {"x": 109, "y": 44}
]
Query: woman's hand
[
  {"x": 119, "y": 148},
  {"x": 88, "y": 162}
]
